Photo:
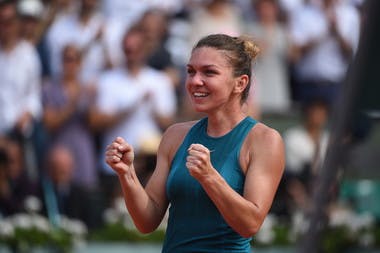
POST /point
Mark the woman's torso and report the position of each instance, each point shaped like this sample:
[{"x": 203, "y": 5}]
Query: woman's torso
[{"x": 195, "y": 224}]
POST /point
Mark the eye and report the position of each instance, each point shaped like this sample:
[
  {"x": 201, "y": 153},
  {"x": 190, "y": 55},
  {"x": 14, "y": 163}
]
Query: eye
[
  {"x": 190, "y": 71},
  {"x": 210, "y": 72}
]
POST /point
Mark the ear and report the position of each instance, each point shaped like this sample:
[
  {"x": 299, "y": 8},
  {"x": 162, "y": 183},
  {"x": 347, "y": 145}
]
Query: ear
[{"x": 241, "y": 83}]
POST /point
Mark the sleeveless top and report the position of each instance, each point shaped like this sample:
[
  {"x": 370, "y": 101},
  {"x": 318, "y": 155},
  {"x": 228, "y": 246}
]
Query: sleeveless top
[{"x": 195, "y": 224}]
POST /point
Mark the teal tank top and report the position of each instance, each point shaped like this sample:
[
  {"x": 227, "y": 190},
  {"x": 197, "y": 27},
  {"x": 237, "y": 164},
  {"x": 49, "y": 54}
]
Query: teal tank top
[{"x": 195, "y": 225}]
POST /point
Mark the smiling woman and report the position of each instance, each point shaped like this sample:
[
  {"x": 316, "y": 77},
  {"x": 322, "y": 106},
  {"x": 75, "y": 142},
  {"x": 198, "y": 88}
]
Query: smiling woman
[
  {"x": 218, "y": 174},
  {"x": 208, "y": 65}
]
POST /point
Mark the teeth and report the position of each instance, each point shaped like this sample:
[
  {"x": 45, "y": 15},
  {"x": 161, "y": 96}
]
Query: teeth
[{"x": 199, "y": 94}]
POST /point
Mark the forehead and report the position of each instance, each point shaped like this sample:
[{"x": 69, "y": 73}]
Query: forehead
[{"x": 207, "y": 56}]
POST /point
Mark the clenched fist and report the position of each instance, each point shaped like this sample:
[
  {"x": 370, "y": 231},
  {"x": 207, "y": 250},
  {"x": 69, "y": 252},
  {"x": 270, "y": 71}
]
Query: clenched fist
[
  {"x": 120, "y": 155},
  {"x": 198, "y": 161}
]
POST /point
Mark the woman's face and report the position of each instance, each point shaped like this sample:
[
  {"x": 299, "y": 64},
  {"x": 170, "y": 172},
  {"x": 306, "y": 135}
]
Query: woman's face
[
  {"x": 71, "y": 61},
  {"x": 210, "y": 79}
]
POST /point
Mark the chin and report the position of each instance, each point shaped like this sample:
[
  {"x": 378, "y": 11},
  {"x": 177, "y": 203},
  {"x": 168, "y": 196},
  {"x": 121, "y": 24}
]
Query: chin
[{"x": 201, "y": 109}]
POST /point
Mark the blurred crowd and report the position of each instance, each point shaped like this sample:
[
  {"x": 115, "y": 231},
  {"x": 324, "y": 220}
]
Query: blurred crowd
[{"x": 74, "y": 74}]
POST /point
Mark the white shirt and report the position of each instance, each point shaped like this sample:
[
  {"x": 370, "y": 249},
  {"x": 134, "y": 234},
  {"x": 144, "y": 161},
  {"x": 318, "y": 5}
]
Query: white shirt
[
  {"x": 69, "y": 30},
  {"x": 300, "y": 149},
  {"x": 20, "y": 84},
  {"x": 117, "y": 90},
  {"x": 325, "y": 61}
]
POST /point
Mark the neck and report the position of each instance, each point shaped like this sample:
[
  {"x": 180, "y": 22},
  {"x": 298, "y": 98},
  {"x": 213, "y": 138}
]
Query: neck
[
  {"x": 8, "y": 45},
  {"x": 134, "y": 68},
  {"x": 268, "y": 22},
  {"x": 220, "y": 124},
  {"x": 69, "y": 78},
  {"x": 85, "y": 16},
  {"x": 314, "y": 132}
]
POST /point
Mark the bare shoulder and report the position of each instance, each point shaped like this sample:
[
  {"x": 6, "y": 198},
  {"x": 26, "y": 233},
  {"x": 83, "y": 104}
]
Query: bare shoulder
[
  {"x": 174, "y": 136},
  {"x": 177, "y": 132},
  {"x": 262, "y": 134},
  {"x": 262, "y": 141}
]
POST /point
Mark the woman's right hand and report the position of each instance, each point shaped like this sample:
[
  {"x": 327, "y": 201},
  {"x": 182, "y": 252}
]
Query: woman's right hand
[{"x": 120, "y": 155}]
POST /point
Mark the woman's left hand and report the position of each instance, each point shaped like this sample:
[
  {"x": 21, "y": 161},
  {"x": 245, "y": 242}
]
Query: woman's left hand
[{"x": 198, "y": 162}]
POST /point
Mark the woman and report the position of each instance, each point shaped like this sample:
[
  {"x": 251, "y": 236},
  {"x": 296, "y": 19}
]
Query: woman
[
  {"x": 66, "y": 104},
  {"x": 219, "y": 174}
]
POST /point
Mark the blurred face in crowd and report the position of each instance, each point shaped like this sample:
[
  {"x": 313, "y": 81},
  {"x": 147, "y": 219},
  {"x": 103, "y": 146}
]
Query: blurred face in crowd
[
  {"x": 61, "y": 166},
  {"x": 210, "y": 79},
  {"x": 71, "y": 59},
  {"x": 135, "y": 47},
  {"x": 266, "y": 10},
  {"x": 328, "y": 3},
  {"x": 89, "y": 5},
  {"x": 63, "y": 3},
  {"x": 154, "y": 25},
  {"x": 8, "y": 23},
  {"x": 317, "y": 115},
  {"x": 29, "y": 26}
]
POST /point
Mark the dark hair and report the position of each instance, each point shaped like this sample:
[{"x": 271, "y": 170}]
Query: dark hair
[
  {"x": 7, "y": 2},
  {"x": 240, "y": 51},
  {"x": 4, "y": 159}
]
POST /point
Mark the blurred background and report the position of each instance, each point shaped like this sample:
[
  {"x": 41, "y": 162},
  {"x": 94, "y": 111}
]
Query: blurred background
[{"x": 74, "y": 74}]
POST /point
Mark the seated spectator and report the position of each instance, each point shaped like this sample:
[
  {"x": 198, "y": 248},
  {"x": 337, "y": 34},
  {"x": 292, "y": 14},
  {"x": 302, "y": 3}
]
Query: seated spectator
[
  {"x": 305, "y": 146},
  {"x": 68, "y": 197},
  {"x": 15, "y": 186}
]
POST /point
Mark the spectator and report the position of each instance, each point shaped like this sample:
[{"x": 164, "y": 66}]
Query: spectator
[
  {"x": 31, "y": 12},
  {"x": 136, "y": 101},
  {"x": 69, "y": 198},
  {"x": 33, "y": 27},
  {"x": 15, "y": 186},
  {"x": 155, "y": 24},
  {"x": 20, "y": 79},
  {"x": 57, "y": 11},
  {"x": 215, "y": 16},
  {"x": 325, "y": 35},
  {"x": 305, "y": 147},
  {"x": 272, "y": 91},
  {"x": 66, "y": 107},
  {"x": 84, "y": 29}
]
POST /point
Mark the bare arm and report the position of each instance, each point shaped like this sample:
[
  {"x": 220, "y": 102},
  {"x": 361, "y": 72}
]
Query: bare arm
[
  {"x": 146, "y": 206},
  {"x": 265, "y": 163}
]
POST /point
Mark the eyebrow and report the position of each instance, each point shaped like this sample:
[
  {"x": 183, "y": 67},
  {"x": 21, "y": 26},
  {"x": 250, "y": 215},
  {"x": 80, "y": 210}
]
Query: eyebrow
[{"x": 204, "y": 66}]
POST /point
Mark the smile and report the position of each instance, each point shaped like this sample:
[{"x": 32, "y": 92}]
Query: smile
[{"x": 200, "y": 94}]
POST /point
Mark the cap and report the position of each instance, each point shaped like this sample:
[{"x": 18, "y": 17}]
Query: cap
[{"x": 32, "y": 8}]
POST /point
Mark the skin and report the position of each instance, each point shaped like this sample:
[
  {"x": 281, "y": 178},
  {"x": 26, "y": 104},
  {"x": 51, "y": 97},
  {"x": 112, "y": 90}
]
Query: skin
[{"x": 215, "y": 91}]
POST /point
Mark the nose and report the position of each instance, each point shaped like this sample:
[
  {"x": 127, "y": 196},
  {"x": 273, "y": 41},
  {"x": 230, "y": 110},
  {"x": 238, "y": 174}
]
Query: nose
[{"x": 194, "y": 79}]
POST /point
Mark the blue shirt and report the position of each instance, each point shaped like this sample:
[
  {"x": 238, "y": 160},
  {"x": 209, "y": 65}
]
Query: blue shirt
[{"x": 195, "y": 224}]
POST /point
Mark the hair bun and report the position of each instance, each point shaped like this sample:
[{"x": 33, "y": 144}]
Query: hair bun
[{"x": 250, "y": 47}]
